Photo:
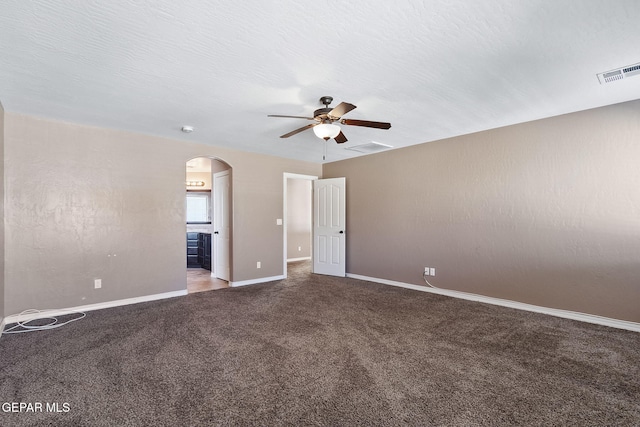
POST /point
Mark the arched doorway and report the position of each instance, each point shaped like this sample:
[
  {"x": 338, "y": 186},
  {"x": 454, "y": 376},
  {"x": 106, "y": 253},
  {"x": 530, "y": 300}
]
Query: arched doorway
[{"x": 209, "y": 223}]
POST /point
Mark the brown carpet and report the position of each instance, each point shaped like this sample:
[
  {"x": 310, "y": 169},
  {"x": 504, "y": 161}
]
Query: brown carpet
[{"x": 314, "y": 350}]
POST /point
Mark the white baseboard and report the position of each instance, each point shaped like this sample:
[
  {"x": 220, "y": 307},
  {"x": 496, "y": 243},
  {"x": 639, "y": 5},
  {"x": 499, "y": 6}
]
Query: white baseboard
[
  {"x": 254, "y": 281},
  {"x": 298, "y": 259},
  {"x": 91, "y": 307},
  {"x": 583, "y": 317},
  {"x": 2, "y": 323}
]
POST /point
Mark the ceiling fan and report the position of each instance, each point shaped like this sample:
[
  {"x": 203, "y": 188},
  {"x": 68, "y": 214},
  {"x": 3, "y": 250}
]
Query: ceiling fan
[{"x": 324, "y": 118}]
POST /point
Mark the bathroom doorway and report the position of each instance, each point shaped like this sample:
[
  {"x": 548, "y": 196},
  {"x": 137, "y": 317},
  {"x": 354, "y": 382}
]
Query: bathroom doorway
[{"x": 208, "y": 211}]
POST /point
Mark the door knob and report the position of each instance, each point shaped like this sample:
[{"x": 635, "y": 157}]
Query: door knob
[
  {"x": 341, "y": 232},
  {"x": 216, "y": 232}
]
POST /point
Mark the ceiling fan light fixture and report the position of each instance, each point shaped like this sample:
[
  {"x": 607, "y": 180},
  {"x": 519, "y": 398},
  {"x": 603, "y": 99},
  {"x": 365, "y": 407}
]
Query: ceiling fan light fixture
[{"x": 326, "y": 131}]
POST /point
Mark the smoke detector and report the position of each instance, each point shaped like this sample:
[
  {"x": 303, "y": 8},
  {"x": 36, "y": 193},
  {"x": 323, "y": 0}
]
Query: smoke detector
[
  {"x": 187, "y": 129},
  {"x": 619, "y": 73}
]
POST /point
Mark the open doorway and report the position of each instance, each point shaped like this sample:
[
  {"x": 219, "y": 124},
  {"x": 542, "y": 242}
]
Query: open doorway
[
  {"x": 298, "y": 218},
  {"x": 209, "y": 216}
]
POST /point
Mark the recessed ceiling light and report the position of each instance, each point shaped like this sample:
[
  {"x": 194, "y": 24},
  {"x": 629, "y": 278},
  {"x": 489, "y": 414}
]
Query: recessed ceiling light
[{"x": 187, "y": 129}]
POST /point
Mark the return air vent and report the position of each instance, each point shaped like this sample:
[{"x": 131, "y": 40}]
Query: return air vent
[
  {"x": 368, "y": 148},
  {"x": 619, "y": 74}
]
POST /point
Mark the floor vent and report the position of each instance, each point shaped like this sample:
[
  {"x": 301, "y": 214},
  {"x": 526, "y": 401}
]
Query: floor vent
[
  {"x": 370, "y": 147},
  {"x": 619, "y": 74}
]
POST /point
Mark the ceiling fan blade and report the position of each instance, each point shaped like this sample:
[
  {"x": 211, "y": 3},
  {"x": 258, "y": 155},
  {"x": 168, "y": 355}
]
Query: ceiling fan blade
[
  {"x": 293, "y": 132},
  {"x": 341, "y": 139},
  {"x": 290, "y": 117},
  {"x": 366, "y": 123},
  {"x": 341, "y": 109}
]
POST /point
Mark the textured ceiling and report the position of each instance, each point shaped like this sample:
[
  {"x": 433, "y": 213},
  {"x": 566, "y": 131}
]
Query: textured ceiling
[{"x": 434, "y": 69}]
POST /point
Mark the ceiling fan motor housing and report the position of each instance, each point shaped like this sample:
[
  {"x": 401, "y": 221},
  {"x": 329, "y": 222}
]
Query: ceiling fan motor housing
[{"x": 321, "y": 113}]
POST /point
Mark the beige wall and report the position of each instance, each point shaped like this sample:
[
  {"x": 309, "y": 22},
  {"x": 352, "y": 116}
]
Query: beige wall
[
  {"x": 298, "y": 218},
  {"x": 79, "y": 207},
  {"x": 218, "y": 166},
  {"x": 1, "y": 212},
  {"x": 546, "y": 212}
]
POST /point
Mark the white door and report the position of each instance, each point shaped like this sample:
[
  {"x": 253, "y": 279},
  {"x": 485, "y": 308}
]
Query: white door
[
  {"x": 221, "y": 228},
  {"x": 329, "y": 214}
]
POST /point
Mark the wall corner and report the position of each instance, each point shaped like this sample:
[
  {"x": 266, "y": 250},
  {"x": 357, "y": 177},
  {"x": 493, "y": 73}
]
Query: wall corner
[{"x": 2, "y": 135}]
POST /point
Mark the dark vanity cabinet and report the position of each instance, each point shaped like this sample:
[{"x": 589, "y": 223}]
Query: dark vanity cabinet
[
  {"x": 199, "y": 250},
  {"x": 204, "y": 250},
  {"x": 192, "y": 250}
]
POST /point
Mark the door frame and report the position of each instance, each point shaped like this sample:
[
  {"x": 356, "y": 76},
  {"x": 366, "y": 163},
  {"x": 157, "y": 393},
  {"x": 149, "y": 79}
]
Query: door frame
[{"x": 287, "y": 176}]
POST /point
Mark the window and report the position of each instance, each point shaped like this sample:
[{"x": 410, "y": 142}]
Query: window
[{"x": 198, "y": 208}]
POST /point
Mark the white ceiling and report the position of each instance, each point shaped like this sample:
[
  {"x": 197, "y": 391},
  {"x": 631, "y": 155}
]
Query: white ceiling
[{"x": 434, "y": 69}]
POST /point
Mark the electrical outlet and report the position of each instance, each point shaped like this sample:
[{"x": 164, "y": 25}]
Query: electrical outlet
[
  {"x": 258, "y": 264},
  {"x": 299, "y": 248},
  {"x": 97, "y": 283},
  {"x": 432, "y": 271},
  {"x": 426, "y": 271}
]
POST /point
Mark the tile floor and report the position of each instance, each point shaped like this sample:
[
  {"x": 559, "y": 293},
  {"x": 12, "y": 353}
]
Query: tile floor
[{"x": 200, "y": 280}]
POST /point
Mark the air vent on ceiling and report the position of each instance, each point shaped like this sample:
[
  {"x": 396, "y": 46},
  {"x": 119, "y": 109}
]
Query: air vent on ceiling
[
  {"x": 368, "y": 148},
  {"x": 619, "y": 74}
]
